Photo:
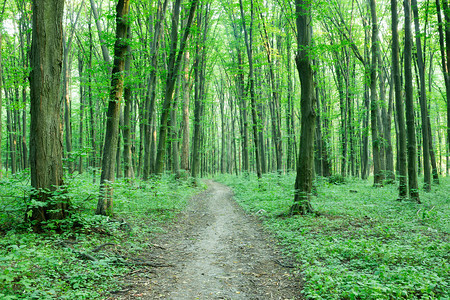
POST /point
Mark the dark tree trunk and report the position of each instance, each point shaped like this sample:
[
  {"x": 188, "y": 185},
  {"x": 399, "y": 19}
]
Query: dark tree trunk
[
  {"x": 127, "y": 98},
  {"x": 399, "y": 108},
  {"x": 305, "y": 163},
  {"x": 446, "y": 71},
  {"x": 45, "y": 134},
  {"x": 422, "y": 102},
  {"x": 413, "y": 187},
  {"x": 105, "y": 201},
  {"x": 81, "y": 127},
  {"x": 248, "y": 42},
  {"x": 377, "y": 176},
  {"x": 1, "y": 99}
]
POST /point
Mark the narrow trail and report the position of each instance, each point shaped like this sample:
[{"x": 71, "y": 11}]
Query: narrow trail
[{"x": 216, "y": 252}]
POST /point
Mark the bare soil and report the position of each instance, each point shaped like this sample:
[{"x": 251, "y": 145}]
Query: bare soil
[{"x": 213, "y": 251}]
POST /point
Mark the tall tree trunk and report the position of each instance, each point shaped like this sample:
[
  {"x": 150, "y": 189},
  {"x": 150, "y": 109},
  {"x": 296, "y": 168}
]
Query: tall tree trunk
[
  {"x": 175, "y": 57},
  {"x": 150, "y": 98},
  {"x": 248, "y": 42},
  {"x": 305, "y": 164},
  {"x": 377, "y": 176},
  {"x": 45, "y": 134},
  {"x": 91, "y": 111},
  {"x": 1, "y": 87},
  {"x": 446, "y": 71},
  {"x": 127, "y": 98},
  {"x": 105, "y": 200},
  {"x": 422, "y": 102},
  {"x": 186, "y": 89},
  {"x": 399, "y": 108},
  {"x": 413, "y": 187},
  {"x": 81, "y": 127}
]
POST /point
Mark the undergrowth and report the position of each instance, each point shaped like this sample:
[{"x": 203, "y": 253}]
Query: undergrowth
[
  {"x": 88, "y": 258},
  {"x": 362, "y": 243}
]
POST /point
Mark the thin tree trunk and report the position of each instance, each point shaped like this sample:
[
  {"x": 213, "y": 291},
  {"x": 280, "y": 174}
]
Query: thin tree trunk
[
  {"x": 173, "y": 67},
  {"x": 248, "y": 42},
  {"x": 186, "y": 89},
  {"x": 423, "y": 102},
  {"x": 128, "y": 100},
  {"x": 413, "y": 187},
  {"x": 81, "y": 127},
  {"x": 377, "y": 176},
  {"x": 105, "y": 201}
]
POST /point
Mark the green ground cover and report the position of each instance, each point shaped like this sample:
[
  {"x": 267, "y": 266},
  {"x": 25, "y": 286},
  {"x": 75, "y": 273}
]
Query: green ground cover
[
  {"x": 90, "y": 256},
  {"x": 363, "y": 244}
]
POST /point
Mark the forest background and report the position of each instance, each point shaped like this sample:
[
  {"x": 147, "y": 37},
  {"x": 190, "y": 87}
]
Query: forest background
[{"x": 191, "y": 89}]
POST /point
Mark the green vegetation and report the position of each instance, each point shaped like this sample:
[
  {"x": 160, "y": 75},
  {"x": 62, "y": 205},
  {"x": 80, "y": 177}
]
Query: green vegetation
[
  {"x": 88, "y": 258},
  {"x": 362, "y": 243}
]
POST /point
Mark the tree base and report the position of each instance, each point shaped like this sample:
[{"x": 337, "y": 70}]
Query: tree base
[{"x": 301, "y": 209}]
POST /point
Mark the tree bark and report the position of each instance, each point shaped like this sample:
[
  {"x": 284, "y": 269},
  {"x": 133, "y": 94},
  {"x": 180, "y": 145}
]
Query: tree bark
[
  {"x": 105, "y": 201},
  {"x": 127, "y": 97},
  {"x": 305, "y": 164},
  {"x": 413, "y": 187},
  {"x": 377, "y": 176},
  {"x": 400, "y": 111},
  {"x": 45, "y": 134},
  {"x": 186, "y": 86}
]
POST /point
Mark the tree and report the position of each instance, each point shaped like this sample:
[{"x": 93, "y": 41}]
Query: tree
[
  {"x": 305, "y": 163},
  {"x": 45, "y": 134},
  {"x": 422, "y": 101},
  {"x": 174, "y": 64},
  {"x": 377, "y": 176},
  {"x": 1, "y": 83},
  {"x": 413, "y": 188},
  {"x": 401, "y": 163},
  {"x": 105, "y": 201}
]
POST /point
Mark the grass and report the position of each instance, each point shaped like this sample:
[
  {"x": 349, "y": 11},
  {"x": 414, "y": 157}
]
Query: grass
[
  {"x": 67, "y": 265},
  {"x": 363, "y": 244}
]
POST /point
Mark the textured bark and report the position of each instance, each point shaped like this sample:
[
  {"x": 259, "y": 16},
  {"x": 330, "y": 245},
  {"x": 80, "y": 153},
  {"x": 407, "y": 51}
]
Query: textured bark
[
  {"x": 305, "y": 164},
  {"x": 45, "y": 125},
  {"x": 413, "y": 187},
  {"x": 105, "y": 201}
]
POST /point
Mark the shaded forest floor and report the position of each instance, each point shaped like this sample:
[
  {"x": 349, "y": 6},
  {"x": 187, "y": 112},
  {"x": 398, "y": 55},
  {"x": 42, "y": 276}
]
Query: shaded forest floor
[{"x": 228, "y": 242}]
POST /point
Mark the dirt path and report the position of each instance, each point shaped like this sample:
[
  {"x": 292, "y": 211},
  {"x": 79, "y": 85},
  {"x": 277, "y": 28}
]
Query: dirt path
[{"x": 215, "y": 252}]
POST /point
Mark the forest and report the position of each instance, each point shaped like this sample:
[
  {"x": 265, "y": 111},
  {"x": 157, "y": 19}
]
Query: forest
[{"x": 329, "y": 121}]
